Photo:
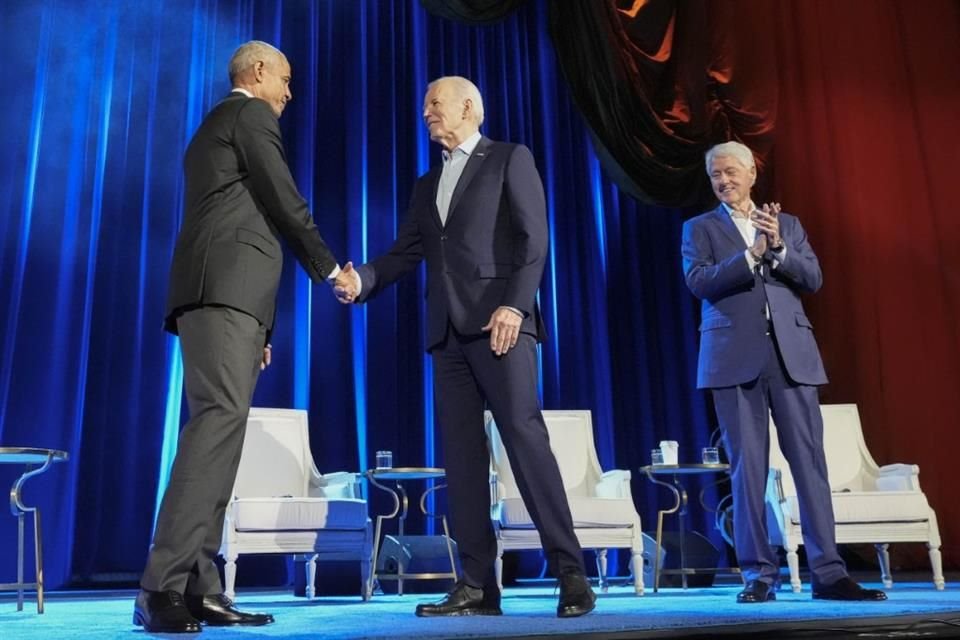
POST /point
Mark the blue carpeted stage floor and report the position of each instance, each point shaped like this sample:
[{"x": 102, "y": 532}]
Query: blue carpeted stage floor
[{"x": 914, "y": 609}]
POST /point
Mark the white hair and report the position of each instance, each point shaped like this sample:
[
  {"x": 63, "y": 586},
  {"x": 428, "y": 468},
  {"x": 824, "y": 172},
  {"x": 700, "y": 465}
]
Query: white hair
[
  {"x": 249, "y": 54},
  {"x": 465, "y": 90},
  {"x": 740, "y": 152}
]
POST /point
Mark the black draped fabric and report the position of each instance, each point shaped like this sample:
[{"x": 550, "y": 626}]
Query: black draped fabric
[
  {"x": 659, "y": 82},
  {"x": 472, "y": 11}
]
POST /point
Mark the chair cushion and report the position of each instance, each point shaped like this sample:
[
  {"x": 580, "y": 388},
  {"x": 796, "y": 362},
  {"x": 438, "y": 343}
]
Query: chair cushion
[
  {"x": 296, "y": 514},
  {"x": 586, "y": 512},
  {"x": 852, "y": 507}
]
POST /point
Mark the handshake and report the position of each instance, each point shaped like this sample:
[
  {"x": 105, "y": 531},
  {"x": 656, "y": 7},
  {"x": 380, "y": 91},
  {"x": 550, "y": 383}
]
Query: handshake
[{"x": 346, "y": 286}]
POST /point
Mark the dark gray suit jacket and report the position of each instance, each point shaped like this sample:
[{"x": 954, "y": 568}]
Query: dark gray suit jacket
[
  {"x": 240, "y": 199},
  {"x": 490, "y": 253},
  {"x": 735, "y": 301}
]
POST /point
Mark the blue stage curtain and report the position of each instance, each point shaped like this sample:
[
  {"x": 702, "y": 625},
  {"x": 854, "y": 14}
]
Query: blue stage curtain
[{"x": 102, "y": 100}]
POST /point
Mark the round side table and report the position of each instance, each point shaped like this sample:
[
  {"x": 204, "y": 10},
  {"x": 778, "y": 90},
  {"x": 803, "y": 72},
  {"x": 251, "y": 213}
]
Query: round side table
[{"x": 30, "y": 458}]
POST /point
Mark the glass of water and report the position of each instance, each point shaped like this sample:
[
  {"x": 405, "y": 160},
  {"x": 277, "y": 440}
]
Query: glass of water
[{"x": 384, "y": 459}]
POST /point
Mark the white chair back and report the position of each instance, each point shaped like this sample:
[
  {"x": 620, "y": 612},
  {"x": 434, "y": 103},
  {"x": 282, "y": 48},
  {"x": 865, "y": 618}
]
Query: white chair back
[
  {"x": 275, "y": 461},
  {"x": 571, "y": 440},
  {"x": 844, "y": 447}
]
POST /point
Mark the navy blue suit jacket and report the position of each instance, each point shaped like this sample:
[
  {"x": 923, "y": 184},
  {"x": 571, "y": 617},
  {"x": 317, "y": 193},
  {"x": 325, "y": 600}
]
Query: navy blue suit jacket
[
  {"x": 734, "y": 301},
  {"x": 490, "y": 253}
]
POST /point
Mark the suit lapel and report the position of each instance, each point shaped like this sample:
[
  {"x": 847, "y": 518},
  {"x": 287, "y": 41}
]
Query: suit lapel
[
  {"x": 434, "y": 178},
  {"x": 729, "y": 227},
  {"x": 473, "y": 165}
]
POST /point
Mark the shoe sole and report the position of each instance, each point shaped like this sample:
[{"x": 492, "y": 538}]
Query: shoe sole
[
  {"x": 770, "y": 598},
  {"x": 238, "y": 624},
  {"x": 576, "y": 613},
  {"x": 140, "y": 622},
  {"x": 462, "y": 612}
]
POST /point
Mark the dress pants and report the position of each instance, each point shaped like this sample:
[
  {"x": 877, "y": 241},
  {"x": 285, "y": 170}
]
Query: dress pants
[
  {"x": 222, "y": 349},
  {"x": 468, "y": 375},
  {"x": 743, "y": 415}
]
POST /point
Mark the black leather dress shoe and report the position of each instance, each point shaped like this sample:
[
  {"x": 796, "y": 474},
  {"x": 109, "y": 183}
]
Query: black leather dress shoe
[
  {"x": 464, "y": 600},
  {"x": 846, "y": 589},
  {"x": 757, "y": 591},
  {"x": 576, "y": 596},
  {"x": 218, "y": 611},
  {"x": 163, "y": 612}
]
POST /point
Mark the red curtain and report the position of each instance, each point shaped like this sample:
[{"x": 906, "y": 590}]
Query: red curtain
[{"x": 867, "y": 153}]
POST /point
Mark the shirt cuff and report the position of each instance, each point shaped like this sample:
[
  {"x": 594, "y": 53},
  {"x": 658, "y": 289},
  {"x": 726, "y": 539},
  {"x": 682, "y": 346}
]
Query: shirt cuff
[
  {"x": 779, "y": 256},
  {"x": 333, "y": 274}
]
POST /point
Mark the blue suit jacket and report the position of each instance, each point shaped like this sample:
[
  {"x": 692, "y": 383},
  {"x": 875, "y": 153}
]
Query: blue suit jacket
[
  {"x": 490, "y": 253},
  {"x": 734, "y": 301}
]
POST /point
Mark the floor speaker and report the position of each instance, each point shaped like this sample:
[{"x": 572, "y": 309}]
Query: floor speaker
[
  {"x": 415, "y": 554},
  {"x": 698, "y": 553}
]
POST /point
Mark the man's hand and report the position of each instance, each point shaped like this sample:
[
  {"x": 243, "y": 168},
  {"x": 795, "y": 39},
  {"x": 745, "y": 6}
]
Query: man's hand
[
  {"x": 267, "y": 357},
  {"x": 504, "y": 328},
  {"x": 765, "y": 220},
  {"x": 346, "y": 286}
]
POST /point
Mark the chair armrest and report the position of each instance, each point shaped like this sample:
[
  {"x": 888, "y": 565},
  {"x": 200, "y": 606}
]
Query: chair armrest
[
  {"x": 338, "y": 484},
  {"x": 775, "y": 486},
  {"x": 899, "y": 477},
  {"x": 494, "y": 488},
  {"x": 614, "y": 484}
]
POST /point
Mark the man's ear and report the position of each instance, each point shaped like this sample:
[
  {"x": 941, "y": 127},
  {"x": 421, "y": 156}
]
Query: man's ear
[
  {"x": 258, "y": 70},
  {"x": 467, "y": 107}
]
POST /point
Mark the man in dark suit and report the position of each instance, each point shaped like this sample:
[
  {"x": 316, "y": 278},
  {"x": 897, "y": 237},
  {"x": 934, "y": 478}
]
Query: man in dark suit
[
  {"x": 240, "y": 199},
  {"x": 758, "y": 356},
  {"x": 479, "y": 221}
]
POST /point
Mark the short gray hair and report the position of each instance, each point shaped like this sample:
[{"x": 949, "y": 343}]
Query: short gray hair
[
  {"x": 734, "y": 149},
  {"x": 249, "y": 54},
  {"x": 465, "y": 90}
]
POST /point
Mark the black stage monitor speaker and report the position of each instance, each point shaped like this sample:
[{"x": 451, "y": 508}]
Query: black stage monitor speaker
[
  {"x": 415, "y": 554},
  {"x": 698, "y": 553}
]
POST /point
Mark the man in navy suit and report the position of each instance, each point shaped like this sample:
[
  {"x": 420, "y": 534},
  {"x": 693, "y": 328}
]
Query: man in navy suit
[
  {"x": 758, "y": 355},
  {"x": 479, "y": 221}
]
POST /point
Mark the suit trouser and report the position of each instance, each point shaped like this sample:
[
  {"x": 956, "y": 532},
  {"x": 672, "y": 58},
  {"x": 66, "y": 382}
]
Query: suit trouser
[
  {"x": 743, "y": 415},
  {"x": 222, "y": 349},
  {"x": 466, "y": 374}
]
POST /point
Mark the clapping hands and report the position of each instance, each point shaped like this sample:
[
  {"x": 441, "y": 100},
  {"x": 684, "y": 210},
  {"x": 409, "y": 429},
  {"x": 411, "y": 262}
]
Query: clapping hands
[
  {"x": 346, "y": 286},
  {"x": 765, "y": 221}
]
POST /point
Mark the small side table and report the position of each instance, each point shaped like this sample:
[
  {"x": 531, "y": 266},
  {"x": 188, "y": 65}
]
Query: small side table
[
  {"x": 30, "y": 458},
  {"x": 398, "y": 475},
  {"x": 675, "y": 471}
]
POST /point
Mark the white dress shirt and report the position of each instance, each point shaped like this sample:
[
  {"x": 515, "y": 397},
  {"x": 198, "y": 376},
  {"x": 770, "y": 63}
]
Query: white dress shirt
[{"x": 453, "y": 165}]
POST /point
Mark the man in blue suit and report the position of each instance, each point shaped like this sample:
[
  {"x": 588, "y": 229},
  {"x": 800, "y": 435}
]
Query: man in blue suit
[
  {"x": 479, "y": 222},
  {"x": 758, "y": 355}
]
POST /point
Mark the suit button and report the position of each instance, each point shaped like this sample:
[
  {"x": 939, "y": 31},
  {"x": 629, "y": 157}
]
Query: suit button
[{"x": 443, "y": 237}]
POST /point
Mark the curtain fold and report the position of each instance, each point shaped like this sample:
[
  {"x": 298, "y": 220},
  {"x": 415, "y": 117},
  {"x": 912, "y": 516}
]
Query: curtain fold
[{"x": 473, "y": 12}]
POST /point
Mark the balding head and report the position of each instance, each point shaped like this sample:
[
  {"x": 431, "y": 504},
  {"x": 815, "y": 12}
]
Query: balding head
[{"x": 262, "y": 70}]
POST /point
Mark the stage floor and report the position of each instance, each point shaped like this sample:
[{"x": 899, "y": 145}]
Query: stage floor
[{"x": 914, "y": 609}]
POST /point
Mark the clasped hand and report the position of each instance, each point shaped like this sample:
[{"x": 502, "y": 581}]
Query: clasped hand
[
  {"x": 765, "y": 221},
  {"x": 346, "y": 286}
]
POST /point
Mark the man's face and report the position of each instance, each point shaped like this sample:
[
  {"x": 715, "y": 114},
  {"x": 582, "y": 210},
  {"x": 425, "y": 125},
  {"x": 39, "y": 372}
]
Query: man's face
[
  {"x": 446, "y": 115},
  {"x": 731, "y": 180},
  {"x": 275, "y": 84}
]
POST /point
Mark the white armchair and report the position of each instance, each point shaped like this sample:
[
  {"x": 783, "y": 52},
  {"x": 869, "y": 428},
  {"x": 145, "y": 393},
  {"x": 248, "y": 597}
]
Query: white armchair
[
  {"x": 604, "y": 515},
  {"x": 282, "y": 504},
  {"x": 871, "y": 504}
]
